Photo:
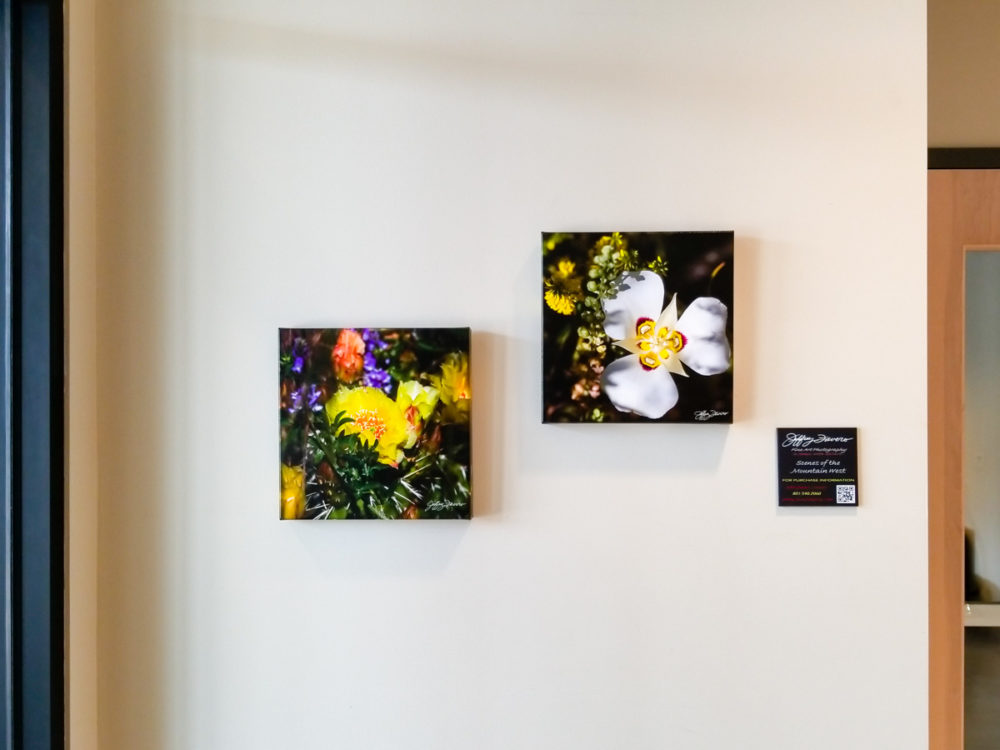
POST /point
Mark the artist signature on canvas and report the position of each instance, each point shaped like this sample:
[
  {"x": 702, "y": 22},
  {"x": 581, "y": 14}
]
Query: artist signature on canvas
[
  {"x": 793, "y": 440},
  {"x": 706, "y": 414}
]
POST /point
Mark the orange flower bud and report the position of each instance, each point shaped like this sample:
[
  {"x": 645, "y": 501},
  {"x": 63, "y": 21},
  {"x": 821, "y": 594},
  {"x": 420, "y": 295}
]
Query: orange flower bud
[{"x": 348, "y": 355}]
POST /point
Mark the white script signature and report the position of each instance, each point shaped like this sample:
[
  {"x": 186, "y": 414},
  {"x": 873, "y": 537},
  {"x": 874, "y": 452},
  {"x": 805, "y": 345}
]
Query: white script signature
[
  {"x": 793, "y": 440},
  {"x": 705, "y": 414}
]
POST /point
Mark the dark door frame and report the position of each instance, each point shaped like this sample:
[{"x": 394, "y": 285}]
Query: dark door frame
[{"x": 31, "y": 375}]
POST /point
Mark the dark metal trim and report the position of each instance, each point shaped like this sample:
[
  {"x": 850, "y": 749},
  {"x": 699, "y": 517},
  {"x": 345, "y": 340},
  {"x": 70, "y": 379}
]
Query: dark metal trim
[
  {"x": 6, "y": 254},
  {"x": 32, "y": 372},
  {"x": 963, "y": 158}
]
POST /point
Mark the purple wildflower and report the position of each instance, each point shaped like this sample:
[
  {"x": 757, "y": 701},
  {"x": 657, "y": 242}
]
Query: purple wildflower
[
  {"x": 314, "y": 394},
  {"x": 375, "y": 376},
  {"x": 300, "y": 350},
  {"x": 296, "y": 397},
  {"x": 378, "y": 379},
  {"x": 372, "y": 340}
]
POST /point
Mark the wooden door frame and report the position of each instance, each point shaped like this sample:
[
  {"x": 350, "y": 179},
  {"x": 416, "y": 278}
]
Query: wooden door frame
[{"x": 951, "y": 171}]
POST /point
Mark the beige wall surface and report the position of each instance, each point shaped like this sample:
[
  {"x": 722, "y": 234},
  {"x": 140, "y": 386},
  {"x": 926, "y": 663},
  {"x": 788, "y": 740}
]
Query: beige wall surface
[
  {"x": 963, "y": 59},
  {"x": 312, "y": 163},
  {"x": 81, "y": 362}
]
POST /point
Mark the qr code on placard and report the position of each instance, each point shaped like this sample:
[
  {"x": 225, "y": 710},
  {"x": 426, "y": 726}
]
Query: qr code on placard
[{"x": 847, "y": 494}]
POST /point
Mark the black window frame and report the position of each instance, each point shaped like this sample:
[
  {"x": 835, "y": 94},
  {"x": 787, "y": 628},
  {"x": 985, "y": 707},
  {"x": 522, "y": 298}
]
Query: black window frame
[{"x": 32, "y": 678}]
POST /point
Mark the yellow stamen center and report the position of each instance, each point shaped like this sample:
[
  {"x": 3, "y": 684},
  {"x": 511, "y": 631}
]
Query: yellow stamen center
[
  {"x": 657, "y": 346},
  {"x": 370, "y": 421}
]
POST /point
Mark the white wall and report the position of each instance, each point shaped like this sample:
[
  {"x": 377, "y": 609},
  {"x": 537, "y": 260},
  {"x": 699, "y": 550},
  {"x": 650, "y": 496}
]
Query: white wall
[{"x": 310, "y": 163}]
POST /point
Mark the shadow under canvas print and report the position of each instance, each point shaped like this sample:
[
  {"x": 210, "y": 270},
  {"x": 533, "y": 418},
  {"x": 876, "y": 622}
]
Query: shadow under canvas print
[
  {"x": 637, "y": 326},
  {"x": 374, "y": 423}
]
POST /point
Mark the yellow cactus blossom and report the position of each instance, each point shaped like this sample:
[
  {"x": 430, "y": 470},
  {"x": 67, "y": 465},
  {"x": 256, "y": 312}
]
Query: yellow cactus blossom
[
  {"x": 453, "y": 384},
  {"x": 422, "y": 397},
  {"x": 293, "y": 492},
  {"x": 378, "y": 421},
  {"x": 563, "y": 287},
  {"x": 416, "y": 401}
]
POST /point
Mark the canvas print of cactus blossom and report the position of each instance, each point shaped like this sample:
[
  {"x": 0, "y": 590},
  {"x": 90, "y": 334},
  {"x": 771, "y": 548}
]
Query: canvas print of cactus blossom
[{"x": 374, "y": 423}]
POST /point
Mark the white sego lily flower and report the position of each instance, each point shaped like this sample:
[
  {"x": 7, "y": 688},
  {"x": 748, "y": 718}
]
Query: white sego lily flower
[{"x": 660, "y": 344}]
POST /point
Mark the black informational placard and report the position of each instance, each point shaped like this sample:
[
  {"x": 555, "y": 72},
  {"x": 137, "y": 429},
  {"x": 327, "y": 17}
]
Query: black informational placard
[{"x": 817, "y": 466}]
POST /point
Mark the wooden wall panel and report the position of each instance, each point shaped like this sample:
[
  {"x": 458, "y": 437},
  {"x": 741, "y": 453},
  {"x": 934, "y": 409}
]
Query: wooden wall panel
[{"x": 963, "y": 215}]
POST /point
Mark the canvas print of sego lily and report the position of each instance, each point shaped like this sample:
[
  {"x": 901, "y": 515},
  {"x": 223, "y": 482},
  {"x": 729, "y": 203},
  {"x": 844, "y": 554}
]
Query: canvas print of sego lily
[
  {"x": 374, "y": 423},
  {"x": 637, "y": 326}
]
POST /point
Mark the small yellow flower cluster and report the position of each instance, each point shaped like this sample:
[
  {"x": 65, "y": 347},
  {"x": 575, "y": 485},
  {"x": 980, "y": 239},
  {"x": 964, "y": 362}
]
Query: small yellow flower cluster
[{"x": 563, "y": 287}]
